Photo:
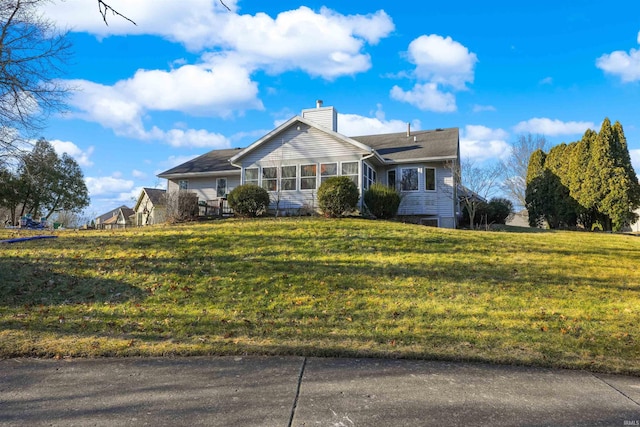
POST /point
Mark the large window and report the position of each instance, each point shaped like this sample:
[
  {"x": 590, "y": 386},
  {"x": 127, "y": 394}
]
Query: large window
[
  {"x": 308, "y": 175},
  {"x": 369, "y": 176},
  {"x": 288, "y": 178},
  {"x": 430, "y": 179},
  {"x": 409, "y": 179},
  {"x": 327, "y": 170},
  {"x": 221, "y": 187},
  {"x": 350, "y": 169},
  {"x": 251, "y": 176},
  {"x": 270, "y": 178}
]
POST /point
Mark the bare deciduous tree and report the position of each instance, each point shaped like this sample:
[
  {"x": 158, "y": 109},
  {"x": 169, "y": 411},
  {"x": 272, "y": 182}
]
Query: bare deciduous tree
[
  {"x": 514, "y": 184},
  {"x": 32, "y": 55},
  {"x": 476, "y": 184}
]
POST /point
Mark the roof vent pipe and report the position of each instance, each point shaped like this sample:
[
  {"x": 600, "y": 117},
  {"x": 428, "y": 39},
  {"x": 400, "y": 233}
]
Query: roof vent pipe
[
  {"x": 319, "y": 103},
  {"x": 408, "y": 129}
]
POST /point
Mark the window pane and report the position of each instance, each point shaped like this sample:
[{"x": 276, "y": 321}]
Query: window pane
[
  {"x": 221, "y": 187},
  {"x": 308, "y": 170},
  {"x": 391, "y": 179},
  {"x": 270, "y": 173},
  {"x": 431, "y": 179},
  {"x": 251, "y": 174},
  {"x": 270, "y": 184},
  {"x": 409, "y": 179},
  {"x": 288, "y": 171},
  {"x": 308, "y": 183},
  {"x": 289, "y": 184},
  {"x": 350, "y": 168},
  {"x": 328, "y": 169}
]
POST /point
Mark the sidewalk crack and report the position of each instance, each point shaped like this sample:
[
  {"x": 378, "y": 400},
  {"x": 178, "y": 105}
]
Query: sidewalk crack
[
  {"x": 295, "y": 400},
  {"x": 616, "y": 389}
]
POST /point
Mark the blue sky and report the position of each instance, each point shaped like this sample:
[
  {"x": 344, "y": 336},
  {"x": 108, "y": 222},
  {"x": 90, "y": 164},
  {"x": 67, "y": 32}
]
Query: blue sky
[{"x": 193, "y": 76}]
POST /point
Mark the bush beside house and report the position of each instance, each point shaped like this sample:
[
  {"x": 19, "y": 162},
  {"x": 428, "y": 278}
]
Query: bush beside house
[
  {"x": 249, "y": 200},
  {"x": 338, "y": 195}
]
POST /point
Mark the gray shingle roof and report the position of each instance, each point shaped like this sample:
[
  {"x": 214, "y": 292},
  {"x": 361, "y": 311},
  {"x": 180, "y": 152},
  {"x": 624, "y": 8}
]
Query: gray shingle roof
[
  {"x": 156, "y": 195},
  {"x": 428, "y": 144},
  {"x": 213, "y": 161}
]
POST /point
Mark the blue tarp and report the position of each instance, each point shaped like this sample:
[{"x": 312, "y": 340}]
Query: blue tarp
[{"x": 24, "y": 239}]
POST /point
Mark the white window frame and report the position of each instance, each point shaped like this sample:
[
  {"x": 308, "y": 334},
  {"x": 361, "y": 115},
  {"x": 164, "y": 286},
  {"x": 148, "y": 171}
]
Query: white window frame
[
  {"x": 183, "y": 184},
  {"x": 395, "y": 179},
  {"x": 273, "y": 179},
  {"x": 435, "y": 180},
  {"x": 353, "y": 176},
  {"x": 290, "y": 179},
  {"x": 255, "y": 181},
  {"x": 224, "y": 193},
  {"x": 402, "y": 180},
  {"x": 323, "y": 178},
  {"x": 309, "y": 178}
]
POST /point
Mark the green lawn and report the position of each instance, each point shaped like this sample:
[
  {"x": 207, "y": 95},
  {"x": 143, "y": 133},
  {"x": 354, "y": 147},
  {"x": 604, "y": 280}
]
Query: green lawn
[{"x": 314, "y": 286}]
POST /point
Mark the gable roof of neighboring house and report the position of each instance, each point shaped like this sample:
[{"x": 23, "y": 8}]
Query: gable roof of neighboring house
[
  {"x": 112, "y": 213},
  {"x": 215, "y": 161},
  {"x": 126, "y": 212},
  {"x": 155, "y": 195}
]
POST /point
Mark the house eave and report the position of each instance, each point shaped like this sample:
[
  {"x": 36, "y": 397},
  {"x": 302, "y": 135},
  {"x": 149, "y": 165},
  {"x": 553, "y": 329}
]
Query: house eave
[
  {"x": 421, "y": 160},
  {"x": 199, "y": 174}
]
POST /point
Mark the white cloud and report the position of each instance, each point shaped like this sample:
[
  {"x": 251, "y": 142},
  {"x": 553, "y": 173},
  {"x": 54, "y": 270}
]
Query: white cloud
[
  {"x": 622, "y": 64},
  {"x": 477, "y": 108},
  {"x": 545, "y": 126},
  {"x": 355, "y": 125},
  {"x": 121, "y": 107},
  {"x": 107, "y": 186},
  {"x": 481, "y": 143},
  {"x": 79, "y": 155},
  {"x": 196, "y": 138},
  {"x": 546, "y": 81},
  {"x": 442, "y": 60},
  {"x": 138, "y": 174},
  {"x": 324, "y": 43},
  {"x": 426, "y": 97}
]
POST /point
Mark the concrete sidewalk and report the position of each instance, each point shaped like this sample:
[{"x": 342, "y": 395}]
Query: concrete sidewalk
[{"x": 283, "y": 391}]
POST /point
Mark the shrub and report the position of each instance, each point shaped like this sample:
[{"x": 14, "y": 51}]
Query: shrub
[
  {"x": 181, "y": 206},
  {"x": 382, "y": 201},
  {"x": 499, "y": 210},
  {"x": 248, "y": 200},
  {"x": 337, "y": 195}
]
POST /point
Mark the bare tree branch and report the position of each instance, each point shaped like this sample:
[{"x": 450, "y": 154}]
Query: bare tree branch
[{"x": 103, "y": 8}]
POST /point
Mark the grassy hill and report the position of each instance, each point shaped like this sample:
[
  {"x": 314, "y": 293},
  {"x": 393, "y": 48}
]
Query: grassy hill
[{"x": 313, "y": 286}]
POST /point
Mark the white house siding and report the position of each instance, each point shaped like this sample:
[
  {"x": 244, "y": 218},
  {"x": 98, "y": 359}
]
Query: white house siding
[
  {"x": 205, "y": 187},
  {"x": 154, "y": 214},
  {"x": 301, "y": 145},
  {"x": 432, "y": 204}
]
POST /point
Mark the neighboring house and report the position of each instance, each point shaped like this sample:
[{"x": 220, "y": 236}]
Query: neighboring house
[
  {"x": 150, "y": 207},
  {"x": 293, "y": 160},
  {"x": 117, "y": 218}
]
